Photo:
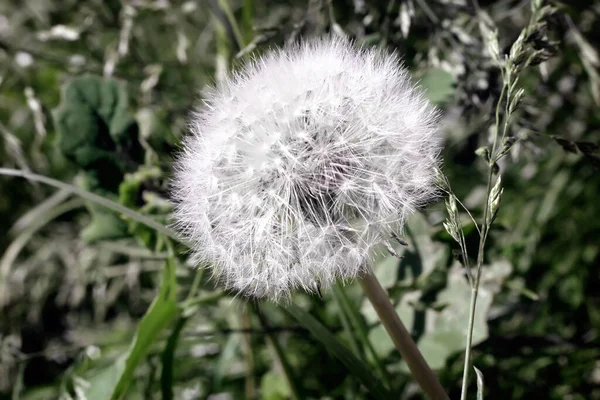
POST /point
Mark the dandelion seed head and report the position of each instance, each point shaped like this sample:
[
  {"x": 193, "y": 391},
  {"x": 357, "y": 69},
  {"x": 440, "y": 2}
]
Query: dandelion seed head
[{"x": 301, "y": 164}]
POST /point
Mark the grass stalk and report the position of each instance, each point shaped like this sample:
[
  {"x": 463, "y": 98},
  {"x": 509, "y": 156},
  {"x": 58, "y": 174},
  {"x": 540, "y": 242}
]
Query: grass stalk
[
  {"x": 358, "y": 351},
  {"x": 279, "y": 354},
  {"x": 361, "y": 332}
]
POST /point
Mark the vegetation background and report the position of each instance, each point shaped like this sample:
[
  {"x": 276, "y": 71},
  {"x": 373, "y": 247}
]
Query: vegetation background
[{"x": 96, "y": 94}]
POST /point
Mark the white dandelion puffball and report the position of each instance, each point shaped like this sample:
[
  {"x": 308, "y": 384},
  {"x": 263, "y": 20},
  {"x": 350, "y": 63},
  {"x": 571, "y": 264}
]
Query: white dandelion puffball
[{"x": 301, "y": 164}]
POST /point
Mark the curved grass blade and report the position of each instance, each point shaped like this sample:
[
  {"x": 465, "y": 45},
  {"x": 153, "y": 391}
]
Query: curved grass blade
[
  {"x": 480, "y": 384},
  {"x": 8, "y": 258},
  {"x": 168, "y": 355},
  {"x": 94, "y": 198},
  {"x": 358, "y": 368}
]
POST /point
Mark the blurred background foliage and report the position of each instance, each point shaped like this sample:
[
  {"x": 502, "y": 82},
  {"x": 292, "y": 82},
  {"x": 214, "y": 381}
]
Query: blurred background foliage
[{"x": 96, "y": 93}]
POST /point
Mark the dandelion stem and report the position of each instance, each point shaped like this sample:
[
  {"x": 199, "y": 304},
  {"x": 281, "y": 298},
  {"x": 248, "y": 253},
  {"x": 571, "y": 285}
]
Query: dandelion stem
[{"x": 419, "y": 368}]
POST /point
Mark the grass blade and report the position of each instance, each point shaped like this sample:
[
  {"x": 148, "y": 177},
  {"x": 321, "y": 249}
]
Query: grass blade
[
  {"x": 480, "y": 384},
  {"x": 358, "y": 368},
  {"x": 337, "y": 294},
  {"x": 94, "y": 198},
  {"x": 361, "y": 332},
  {"x": 167, "y": 358}
]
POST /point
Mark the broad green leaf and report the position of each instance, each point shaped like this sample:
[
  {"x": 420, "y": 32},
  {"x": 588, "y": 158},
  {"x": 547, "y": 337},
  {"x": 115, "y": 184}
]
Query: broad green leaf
[
  {"x": 449, "y": 326},
  {"x": 438, "y": 85},
  {"x": 99, "y": 135},
  {"x": 358, "y": 368},
  {"x": 112, "y": 383},
  {"x": 93, "y": 123},
  {"x": 420, "y": 258},
  {"x": 480, "y": 384}
]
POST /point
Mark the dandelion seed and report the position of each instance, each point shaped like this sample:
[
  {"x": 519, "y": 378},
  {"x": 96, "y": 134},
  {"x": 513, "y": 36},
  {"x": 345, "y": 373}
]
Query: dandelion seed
[{"x": 300, "y": 165}]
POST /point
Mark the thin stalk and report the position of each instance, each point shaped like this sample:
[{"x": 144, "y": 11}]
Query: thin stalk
[
  {"x": 196, "y": 283},
  {"x": 168, "y": 355},
  {"x": 250, "y": 384},
  {"x": 361, "y": 332},
  {"x": 346, "y": 323},
  {"x": 279, "y": 353},
  {"x": 482, "y": 239},
  {"x": 94, "y": 198},
  {"x": 239, "y": 40},
  {"x": 475, "y": 291},
  {"x": 419, "y": 368}
]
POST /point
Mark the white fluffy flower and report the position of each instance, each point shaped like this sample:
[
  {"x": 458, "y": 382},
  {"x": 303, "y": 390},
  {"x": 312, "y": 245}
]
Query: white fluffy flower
[{"x": 302, "y": 163}]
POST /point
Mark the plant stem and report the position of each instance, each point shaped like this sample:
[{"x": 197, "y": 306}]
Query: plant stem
[
  {"x": 419, "y": 368},
  {"x": 482, "y": 239},
  {"x": 361, "y": 332},
  {"x": 358, "y": 351},
  {"x": 475, "y": 289},
  {"x": 250, "y": 381},
  {"x": 279, "y": 354}
]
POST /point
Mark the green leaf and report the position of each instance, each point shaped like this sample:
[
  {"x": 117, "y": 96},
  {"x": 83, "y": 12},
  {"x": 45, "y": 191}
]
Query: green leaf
[
  {"x": 438, "y": 85},
  {"x": 358, "y": 368},
  {"x": 96, "y": 130},
  {"x": 93, "y": 115},
  {"x": 112, "y": 383},
  {"x": 480, "y": 384}
]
